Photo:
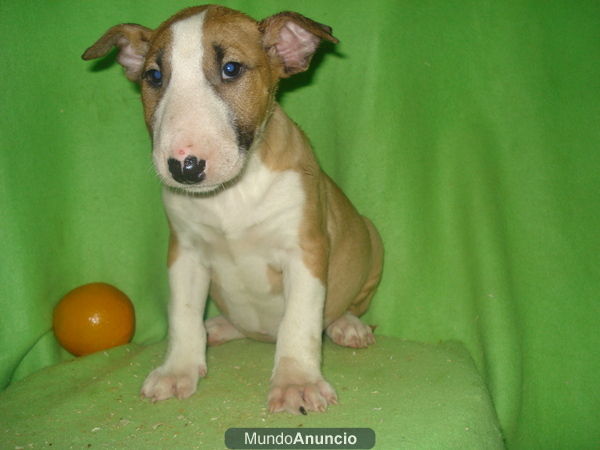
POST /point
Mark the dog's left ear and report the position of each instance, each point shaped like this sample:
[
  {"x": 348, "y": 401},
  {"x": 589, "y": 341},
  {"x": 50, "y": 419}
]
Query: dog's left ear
[{"x": 291, "y": 40}]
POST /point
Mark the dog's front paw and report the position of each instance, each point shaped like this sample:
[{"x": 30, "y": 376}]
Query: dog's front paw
[
  {"x": 301, "y": 398},
  {"x": 164, "y": 383}
]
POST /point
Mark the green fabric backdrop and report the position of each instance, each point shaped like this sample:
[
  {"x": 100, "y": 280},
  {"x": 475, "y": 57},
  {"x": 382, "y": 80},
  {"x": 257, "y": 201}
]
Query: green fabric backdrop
[{"x": 467, "y": 130}]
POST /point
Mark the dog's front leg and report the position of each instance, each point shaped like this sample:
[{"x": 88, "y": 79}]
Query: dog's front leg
[
  {"x": 186, "y": 356},
  {"x": 297, "y": 385}
]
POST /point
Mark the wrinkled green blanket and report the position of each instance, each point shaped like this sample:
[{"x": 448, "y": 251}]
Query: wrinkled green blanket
[{"x": 413, "y": 396}]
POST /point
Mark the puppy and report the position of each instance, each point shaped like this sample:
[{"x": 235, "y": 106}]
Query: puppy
[{"x": 254, "y": 221}]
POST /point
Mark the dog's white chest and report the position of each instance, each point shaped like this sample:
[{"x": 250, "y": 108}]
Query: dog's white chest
[{"x": 244, "y": 236}]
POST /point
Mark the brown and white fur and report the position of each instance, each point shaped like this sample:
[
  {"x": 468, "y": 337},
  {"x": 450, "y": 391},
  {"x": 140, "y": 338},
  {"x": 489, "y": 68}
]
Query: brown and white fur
[{"x": 254, "y": 221}]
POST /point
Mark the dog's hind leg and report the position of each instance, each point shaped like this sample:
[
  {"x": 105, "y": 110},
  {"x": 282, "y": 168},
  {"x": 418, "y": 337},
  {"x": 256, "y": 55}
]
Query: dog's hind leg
[
  {"x": 350, "y": 331},
  {"x": 220, "y": 330}
]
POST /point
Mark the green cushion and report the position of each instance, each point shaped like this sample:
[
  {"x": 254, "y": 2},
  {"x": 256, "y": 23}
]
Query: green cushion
[{"x": 412, "y": 395}]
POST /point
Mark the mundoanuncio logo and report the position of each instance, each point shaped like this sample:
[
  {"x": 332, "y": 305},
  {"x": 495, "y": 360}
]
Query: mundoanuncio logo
[{"x": 299, "y": 438}]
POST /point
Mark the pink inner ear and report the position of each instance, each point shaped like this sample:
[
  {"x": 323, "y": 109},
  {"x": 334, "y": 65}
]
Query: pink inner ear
[
  {"x": 130, "y": 58},
  {"x": 296, "y": 46}
]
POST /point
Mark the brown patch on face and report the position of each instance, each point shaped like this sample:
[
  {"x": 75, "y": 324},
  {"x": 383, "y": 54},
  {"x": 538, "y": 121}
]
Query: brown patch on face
[
  {"x": 156, "y": 60},
  {"x": 230, "y": 36}
]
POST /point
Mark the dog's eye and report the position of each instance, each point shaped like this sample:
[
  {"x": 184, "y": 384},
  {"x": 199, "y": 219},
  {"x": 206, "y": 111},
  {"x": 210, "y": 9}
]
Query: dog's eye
[
  {"x": 231, "y": 70},
  {"x": 154, "y": 77}
]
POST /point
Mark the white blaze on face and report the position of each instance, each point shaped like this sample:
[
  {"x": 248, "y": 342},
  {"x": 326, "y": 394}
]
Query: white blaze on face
[{"x": 191, "y": 120}]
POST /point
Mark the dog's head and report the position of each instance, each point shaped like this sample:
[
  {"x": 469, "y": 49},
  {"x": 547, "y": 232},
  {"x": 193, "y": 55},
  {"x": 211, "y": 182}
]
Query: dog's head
[{"x": 208, "y": 77}]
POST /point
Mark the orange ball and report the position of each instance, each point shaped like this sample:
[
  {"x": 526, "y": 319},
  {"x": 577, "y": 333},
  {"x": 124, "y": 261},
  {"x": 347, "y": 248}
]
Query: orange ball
[{"x": 93, "y": 317}]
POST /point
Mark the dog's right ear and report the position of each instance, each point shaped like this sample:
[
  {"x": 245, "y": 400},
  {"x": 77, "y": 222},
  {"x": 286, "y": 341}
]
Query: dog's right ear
[{"x": 133, "y": 42}]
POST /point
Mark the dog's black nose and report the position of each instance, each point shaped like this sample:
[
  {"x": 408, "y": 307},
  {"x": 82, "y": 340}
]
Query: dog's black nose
[{"x": 191, "y": 172}]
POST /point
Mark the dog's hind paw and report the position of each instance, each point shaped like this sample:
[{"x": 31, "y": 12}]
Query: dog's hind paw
[
  {"x": 163, "y": 383},
  {"x": 220, "y": 330},
  {"x": 350, "y": 331}
]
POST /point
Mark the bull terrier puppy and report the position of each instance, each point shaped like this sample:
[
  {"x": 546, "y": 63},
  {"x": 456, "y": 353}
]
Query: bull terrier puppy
[{"x": 254, "y": 221}]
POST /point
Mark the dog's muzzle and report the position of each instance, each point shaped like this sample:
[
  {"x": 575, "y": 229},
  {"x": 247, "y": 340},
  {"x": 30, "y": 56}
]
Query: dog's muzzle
[{"x": 190, "y": 172}]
